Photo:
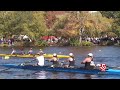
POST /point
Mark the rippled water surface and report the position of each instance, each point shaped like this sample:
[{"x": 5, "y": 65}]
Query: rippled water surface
[{"x": 102, "y": 54}]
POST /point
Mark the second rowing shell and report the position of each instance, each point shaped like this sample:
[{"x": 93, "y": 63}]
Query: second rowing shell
[{"x": 31, "y": 56}]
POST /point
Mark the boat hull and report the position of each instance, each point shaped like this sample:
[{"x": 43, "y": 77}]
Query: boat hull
[
  {"x": 60, "y": 69},
  {"x": 31, "y": 56}
]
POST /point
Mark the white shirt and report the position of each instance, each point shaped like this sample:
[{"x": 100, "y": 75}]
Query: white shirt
[
  {"x": 40, "y": 60},
  {"x": 13, "y": 52},
  {"x": 70, "y": 59},
  {"x": 92, "y": 63}
]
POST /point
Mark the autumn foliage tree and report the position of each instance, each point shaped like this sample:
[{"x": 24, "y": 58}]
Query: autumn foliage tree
[
  {"x": 68, "y": 24},
  {"x": 93, "y": 23}
]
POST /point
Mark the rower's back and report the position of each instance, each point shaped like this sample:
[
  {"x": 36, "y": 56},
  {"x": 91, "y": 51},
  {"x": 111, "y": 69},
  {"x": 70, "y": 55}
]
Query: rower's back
[
  {"x": 89, "y": 62},
  {"x": 71, "y": 60},
  {"x": 55, "y": 60},
  {"x": 88, "y": 66},
  {"x": 40, "y": 59}
]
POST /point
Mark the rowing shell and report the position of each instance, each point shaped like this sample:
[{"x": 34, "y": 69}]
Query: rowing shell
[
  {"x": 31, "y": 56},
  {"x": 60, "y": 69}
]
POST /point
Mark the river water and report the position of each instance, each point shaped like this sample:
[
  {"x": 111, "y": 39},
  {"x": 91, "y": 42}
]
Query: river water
[{"x": 109, "y": 55}]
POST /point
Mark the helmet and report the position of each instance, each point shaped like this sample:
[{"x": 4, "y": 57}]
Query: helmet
[
  {"x": 71, "y": 54},
  {"x": 54, "y": 54},
  {"x": 90, "y": 54}
]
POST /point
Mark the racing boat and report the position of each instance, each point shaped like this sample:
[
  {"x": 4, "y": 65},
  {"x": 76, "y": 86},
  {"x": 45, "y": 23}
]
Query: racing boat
[
  {"x": 62, "y": 69},
  {"x": 31, "y": 56}
]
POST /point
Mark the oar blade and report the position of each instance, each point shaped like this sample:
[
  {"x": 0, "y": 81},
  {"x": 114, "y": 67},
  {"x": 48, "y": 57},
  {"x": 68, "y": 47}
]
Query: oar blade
[{"x": 6, "y": 57}]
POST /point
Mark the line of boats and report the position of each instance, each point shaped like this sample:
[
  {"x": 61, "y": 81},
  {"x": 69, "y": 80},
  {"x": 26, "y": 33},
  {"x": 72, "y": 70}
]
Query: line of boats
[{"x": 80, "y": 70}]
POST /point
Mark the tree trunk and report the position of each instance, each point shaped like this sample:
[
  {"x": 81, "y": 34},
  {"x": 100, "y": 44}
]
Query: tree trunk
[{"x": 80, "y": 39}]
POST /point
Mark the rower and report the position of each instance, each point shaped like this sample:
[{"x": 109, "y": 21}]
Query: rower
[
  {"x": 13, "y": 51},
  {"x": 54, "y": 59},
  {"x": 88, "y": 61},
  {"x": 40, "y": 51},
  {"x": 40, "y": 59},
  {"x": 30, "y": 51},
  {"x": 71, "y": 61},
  {"x": 22, "y": 52}
]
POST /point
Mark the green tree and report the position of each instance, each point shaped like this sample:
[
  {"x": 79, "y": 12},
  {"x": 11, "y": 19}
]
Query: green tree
[
  {"x": 116, "y": 23},
  {"x": 23, "y": 22}
]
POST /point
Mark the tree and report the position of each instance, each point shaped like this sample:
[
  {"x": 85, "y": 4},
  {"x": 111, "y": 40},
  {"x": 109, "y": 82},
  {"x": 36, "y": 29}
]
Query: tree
[
  {"x": 116, "y": 23},
  {"x": 23, "y": 22},
  {"x": 110, "y": 14}
]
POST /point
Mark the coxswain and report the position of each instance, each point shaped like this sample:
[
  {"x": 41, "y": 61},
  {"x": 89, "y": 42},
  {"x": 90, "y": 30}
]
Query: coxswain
[
  {"x": 13, "y": 51},
  {"x": 30, "y": 51},
  {"x": 71, "y": 61},
  {"x": 55, "y": 61},
  {"x": 40, "y": 59},
  {"x": 88, "y": 61}
]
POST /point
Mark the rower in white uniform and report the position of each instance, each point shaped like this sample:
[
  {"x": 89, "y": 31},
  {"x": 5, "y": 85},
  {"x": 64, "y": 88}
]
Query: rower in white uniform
[{"x": 40, "y": 59}]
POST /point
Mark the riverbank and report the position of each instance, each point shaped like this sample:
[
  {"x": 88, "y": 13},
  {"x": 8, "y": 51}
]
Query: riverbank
[
  {"x": 62, "y": 42},
  {"x": 84, "y": 43}
]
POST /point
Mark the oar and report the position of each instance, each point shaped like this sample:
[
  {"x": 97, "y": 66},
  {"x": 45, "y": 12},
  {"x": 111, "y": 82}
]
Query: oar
[
  {"x": 6, "y": 57},
  {"x": 4, "y": 69},
  {"x": 47, "y": 60},
  {"x": 27, "y": 62}
]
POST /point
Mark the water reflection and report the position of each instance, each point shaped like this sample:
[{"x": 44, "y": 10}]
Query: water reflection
[
  {"x": 55, "y": 75},
  {"x": 71, "y": 75},
  {"x": 41, "y": 75},
  {"x": 89, "y": 76}
]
